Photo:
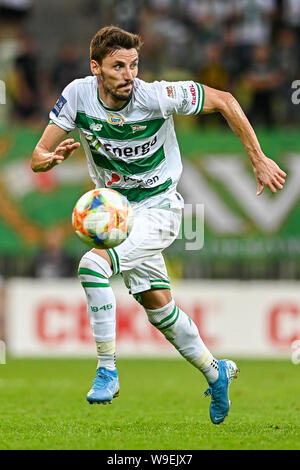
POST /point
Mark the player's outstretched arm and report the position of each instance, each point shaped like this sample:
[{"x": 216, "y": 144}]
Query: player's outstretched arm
[
  {"x": 266, "y": 171},
  {"x": 49, "y": 152}
]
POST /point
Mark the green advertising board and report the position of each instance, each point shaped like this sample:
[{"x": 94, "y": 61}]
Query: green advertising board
[{"x": 218, "y": 185}]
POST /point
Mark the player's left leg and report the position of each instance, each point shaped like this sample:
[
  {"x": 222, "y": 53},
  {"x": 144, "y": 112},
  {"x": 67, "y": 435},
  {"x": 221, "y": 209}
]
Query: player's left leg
[{"x": 181, "y": 331}]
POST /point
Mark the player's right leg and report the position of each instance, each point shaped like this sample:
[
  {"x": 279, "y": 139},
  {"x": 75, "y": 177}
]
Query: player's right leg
[
  {"x": 152, "y": 231},
  {"x": 94, "y": 273}
]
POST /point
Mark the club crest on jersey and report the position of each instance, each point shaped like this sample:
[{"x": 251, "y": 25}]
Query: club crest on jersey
[
  {"x": 137, "y": 128},
  {"x": 96, "y": 127},
  {"x": 115, "y": 120},
  {"x": 171, "y": 92}
]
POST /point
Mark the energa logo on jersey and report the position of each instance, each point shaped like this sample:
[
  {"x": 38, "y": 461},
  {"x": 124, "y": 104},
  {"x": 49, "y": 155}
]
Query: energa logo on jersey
[{"x": 115, "y": 120}]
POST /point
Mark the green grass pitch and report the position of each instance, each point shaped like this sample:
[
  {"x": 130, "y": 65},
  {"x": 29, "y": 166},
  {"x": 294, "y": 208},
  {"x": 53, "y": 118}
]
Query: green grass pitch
[{"x": 161, "y": 407}]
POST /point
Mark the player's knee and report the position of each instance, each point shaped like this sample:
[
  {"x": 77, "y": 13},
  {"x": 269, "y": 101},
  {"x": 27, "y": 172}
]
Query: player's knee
[
  {"x": 155, "y": 298},
  {"x": 157, "y": 316},
  {"x": 104, "y": 254},
  {"x": 93, "y": 262}
]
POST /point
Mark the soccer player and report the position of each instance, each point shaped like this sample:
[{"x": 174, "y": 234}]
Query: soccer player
[{"x": 127, "y": 132}]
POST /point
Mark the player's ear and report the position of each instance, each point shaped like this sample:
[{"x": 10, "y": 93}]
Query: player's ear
[{"x": 95, "y": 67}]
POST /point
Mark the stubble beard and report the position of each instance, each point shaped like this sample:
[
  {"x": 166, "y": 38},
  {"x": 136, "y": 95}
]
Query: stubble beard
[{"x": 114, "y": 94}]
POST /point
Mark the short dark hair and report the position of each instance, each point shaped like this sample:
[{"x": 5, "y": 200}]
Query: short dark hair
[{"x": 111, "y": 38}]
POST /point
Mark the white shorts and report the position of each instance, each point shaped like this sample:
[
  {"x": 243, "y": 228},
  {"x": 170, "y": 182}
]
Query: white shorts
[{"x": 139, "y": 257}]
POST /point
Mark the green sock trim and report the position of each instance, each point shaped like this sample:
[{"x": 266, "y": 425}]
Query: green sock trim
[
  {"x": 168, "y": 326},
  {"x": 165, "y": 319},
  {"x": 94, "y": 284},
  {"x": 90, "y": 272}
]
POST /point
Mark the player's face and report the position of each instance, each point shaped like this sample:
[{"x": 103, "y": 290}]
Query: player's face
[{"x": 117, "y": 73}]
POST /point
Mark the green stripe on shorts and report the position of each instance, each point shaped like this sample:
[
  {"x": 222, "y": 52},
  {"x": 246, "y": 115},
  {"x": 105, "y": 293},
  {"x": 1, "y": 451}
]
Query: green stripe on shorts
[
  {"x": 160, "y": 284},
  {"x": 117, "y": 259},
  {"x": 114, "y": 260}
]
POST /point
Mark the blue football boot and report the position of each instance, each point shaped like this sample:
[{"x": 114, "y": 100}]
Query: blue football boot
[
  {"x": 105, "y": 386},
  {"x": 220, "y": 403}
]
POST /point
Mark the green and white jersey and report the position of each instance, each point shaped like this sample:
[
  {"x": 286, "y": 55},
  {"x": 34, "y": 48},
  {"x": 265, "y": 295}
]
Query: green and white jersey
[{"x": 133, "y": 149}]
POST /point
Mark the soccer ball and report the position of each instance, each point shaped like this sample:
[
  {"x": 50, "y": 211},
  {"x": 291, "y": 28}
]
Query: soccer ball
[{"x": 102, "y": 218}]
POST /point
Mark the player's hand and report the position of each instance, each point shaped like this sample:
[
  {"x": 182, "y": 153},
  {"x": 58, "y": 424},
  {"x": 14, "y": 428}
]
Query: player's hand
[
  {"x": 64, "y": 150},
  {"x": 268, "y": 173}
]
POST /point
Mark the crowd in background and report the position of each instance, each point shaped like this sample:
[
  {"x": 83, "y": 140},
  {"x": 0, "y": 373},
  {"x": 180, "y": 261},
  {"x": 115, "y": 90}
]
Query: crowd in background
[{"x": 248, "y": 47}]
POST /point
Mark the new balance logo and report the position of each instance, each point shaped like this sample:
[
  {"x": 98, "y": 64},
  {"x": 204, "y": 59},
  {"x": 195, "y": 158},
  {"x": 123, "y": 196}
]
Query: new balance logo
[{"x": 96, "y": 127}]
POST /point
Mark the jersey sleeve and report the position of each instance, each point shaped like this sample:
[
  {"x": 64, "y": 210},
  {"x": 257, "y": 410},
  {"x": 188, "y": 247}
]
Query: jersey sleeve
[
  {"x": 64, "y": 111},
  {"x": 184, "y": 97}
]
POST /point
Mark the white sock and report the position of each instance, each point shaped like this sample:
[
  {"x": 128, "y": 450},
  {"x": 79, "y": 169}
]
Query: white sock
[
  {"x": 106, "y": 353},
  {"x": 94, "y": 272},
  {"x": 211, "y": 372},
  {"x": 107, "y": 360},
  {"x": 182, "y": 332}
]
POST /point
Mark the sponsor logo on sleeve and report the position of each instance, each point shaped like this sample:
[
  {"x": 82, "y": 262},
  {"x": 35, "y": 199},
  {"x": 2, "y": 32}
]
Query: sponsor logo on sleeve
[
  {"x": 193, "y": 93},
  {"x": 59, "y": 105},
  {"x": 115, "y": 120},
  {"x": 184, "y": 92},
  {"x": 137, "y": 128},
  {"x": 171, "y": 92}
]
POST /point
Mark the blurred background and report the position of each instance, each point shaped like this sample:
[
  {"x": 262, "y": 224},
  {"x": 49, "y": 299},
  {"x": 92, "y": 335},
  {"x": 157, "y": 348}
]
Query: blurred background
[{"x": 247, "y": 272}]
